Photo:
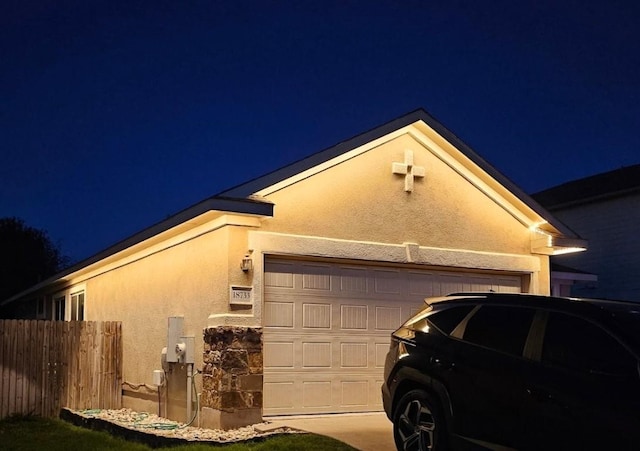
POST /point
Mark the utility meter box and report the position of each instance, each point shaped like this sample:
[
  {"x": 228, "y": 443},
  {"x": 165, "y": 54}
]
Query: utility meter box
[
  {"x": 190, "y": 349},
  {"x": 174, "y": 334}
]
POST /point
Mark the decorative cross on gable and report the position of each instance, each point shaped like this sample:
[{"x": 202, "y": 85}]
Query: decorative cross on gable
[{"x": 408, "y": 170}]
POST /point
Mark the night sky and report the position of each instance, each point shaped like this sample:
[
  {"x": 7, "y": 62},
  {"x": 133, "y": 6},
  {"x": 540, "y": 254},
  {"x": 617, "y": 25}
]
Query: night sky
[{"x": 116, "y": 114}]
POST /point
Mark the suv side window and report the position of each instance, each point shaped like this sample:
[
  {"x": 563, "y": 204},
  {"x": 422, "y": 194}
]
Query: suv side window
[
  {"x": 577, "y": 344},
  {"x": 446, "y": 320},
  {"x": 503, "y": 329}
]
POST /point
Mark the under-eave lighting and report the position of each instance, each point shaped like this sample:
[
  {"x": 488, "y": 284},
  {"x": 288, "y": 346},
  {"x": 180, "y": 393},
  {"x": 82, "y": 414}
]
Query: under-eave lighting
[
  {"x": 568, "y": 250},
  {"x": 548, "y": 244}
]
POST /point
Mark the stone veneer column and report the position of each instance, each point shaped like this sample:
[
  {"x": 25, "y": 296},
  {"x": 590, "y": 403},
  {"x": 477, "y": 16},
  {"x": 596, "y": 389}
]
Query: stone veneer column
[{"x": 232, "y": 377}]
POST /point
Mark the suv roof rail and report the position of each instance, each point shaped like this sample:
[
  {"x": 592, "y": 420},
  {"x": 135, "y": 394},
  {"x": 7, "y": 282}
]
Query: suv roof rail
[{"x": 477, "y": 293}]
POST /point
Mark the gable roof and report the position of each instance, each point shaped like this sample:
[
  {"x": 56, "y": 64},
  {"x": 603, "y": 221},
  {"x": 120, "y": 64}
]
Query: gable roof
[
  {"x": 606, "y": 185},
  {"x": 246, "y": 198},
  {"x": 258, "y": 185}
]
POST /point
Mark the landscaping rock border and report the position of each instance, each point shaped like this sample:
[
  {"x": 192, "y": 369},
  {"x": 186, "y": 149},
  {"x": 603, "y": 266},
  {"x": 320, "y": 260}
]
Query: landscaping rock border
[{"x": 158, "y": 432}]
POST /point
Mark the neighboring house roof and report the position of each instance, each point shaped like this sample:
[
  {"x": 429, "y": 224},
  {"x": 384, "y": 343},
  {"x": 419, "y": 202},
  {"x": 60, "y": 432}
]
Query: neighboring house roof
[
  {"x": 563, "y": 268},
  {"x": 597, "y": 187},
  {"x": 562, "y": 272},
  {"x": 246, "y": 199}
]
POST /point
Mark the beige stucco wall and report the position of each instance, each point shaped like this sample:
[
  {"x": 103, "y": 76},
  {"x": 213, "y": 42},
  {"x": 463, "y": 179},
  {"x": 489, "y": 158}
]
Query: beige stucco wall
[
  {"x": 360, "y": 199},
  {"x": 190, "y": 279}
]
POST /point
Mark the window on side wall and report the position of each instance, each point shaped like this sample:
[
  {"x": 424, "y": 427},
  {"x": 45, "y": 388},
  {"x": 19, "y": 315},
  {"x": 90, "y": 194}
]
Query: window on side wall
[
  {"x": 59, "y": 307},
  {"x": 69, "y": 306},
  {"x": 41, "y": 309},
  {"x": 77, "y": 306}
]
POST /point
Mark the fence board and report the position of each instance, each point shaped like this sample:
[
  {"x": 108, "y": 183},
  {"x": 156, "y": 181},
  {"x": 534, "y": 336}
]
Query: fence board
[
  {"x": 4, "y": 373},
  {"x": 36, "y": 341},
  {"x": 45, "y": 395},
  {"x": 32, "y": 357},
  {"x": 12, "y": 359},
  {"x": 120, "y": 359},
  {"x": 105, "y": 344},
  {"x": 47, "y": 365},
  {"x": 3, "y": 345}
]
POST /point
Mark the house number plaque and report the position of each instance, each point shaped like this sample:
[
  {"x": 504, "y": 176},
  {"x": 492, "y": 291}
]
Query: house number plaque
[{"x": 241, "y": 295}]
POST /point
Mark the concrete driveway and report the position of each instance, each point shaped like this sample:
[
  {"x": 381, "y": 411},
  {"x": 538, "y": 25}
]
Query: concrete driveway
[{"x": 363, "y": 431}]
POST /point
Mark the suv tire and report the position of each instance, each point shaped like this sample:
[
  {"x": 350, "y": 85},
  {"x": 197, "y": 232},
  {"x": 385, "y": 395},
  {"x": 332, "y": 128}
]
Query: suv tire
[{"x": 418, "y": 424}]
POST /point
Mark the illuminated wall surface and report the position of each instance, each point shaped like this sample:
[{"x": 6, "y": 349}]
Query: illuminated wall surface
[{"x": 359, "y": 206}]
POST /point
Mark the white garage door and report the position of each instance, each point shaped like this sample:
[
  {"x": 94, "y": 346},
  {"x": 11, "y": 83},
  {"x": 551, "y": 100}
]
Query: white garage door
[{"x": 327, "y": 329}]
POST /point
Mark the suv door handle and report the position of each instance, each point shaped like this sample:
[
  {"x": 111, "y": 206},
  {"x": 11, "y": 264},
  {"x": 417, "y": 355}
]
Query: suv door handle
[
  {"x": 538, "y": 395},
  {"x": 444, "y": 364},
  {"x": 544, "y": 396}
]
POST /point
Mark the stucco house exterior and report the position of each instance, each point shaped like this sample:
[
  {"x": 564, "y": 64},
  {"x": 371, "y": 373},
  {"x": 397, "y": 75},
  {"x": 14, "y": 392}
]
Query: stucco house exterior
[
  {"x": 605, "y": 209},
  {"x": 291, "y": 283}
]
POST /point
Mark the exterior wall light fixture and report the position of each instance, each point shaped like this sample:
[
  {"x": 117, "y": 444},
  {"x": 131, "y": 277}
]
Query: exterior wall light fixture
[{"x": 247, "y": 264}]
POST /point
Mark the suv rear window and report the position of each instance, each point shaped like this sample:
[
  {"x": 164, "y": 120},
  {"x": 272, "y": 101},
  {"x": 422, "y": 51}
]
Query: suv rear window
[
  {"x": 446, "y": 320},
  {"x": 576, "y": 344}
]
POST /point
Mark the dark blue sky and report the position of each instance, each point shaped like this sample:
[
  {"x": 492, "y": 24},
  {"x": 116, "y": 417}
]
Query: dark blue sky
[{"x": 116, "y": 114}]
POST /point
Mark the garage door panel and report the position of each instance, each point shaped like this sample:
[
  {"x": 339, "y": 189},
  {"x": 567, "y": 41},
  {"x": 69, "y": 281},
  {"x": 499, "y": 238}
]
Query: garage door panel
[
  {"x": 316, "y": 394},
  {"x": 452, "y": 283},
  {"x": 354, "y": 393},
  {"x": 388, "y": 318},
  {"x": 381, "y": 349},
  {"x": 354, "y": 355},
  {"x": 316, "y": 354},
  {"x": 387, "y": 282},
  {"x": 375, "y": 400},
  {"x": 279, "y": 314},
  {"x": 316, "y": 277},
  {"x": 321, "y": 393},
  {"x": 316, "y": 315},
  {"x": 353, "y": 281},
  {"x": 422, "y": 285},
  {"x": 277, "y": 394},
  {"x": 327, "y": 329},
  {"x": 508, "y": 285},
  {"x": 480, "y": 284},
  {"x": 278, "y": 274},
  {"x": 279, "y": 354},
  {"x": 354, "y": 317}
]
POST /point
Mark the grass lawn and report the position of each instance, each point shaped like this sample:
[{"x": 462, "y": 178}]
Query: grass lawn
[{"x": 37, "y": 434}]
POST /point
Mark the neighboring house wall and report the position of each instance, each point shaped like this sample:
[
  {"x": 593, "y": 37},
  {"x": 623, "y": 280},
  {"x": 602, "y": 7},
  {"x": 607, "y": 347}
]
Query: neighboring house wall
[
  {"x": 605, "y": 210},
  {"x": 611, "y": 226}
]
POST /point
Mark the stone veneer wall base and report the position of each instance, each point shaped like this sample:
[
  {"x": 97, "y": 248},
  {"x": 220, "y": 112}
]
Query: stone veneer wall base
[
  {"x": 232, "y": 379},
  {"x": 218, "y": 419}
]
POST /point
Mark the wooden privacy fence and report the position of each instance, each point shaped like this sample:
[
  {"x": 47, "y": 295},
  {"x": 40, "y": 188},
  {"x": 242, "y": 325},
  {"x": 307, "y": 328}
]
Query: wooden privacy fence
[{"x": 47, "y": 365}]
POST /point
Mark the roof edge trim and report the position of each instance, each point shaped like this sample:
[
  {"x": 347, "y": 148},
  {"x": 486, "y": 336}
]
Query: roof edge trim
[{"x": 251, "y": 206}]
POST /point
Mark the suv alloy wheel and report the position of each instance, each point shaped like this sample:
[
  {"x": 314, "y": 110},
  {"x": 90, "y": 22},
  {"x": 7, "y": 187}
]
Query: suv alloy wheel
[{"x": 417, "y": 423}]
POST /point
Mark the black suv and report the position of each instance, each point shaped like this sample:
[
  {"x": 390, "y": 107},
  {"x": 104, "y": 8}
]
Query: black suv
[{"x": 511, "y": 371}]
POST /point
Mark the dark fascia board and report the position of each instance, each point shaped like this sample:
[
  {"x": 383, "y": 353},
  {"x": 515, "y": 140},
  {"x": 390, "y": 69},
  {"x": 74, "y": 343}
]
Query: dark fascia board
[
  {"x": 257, "y": 184},
  {"x": 249, "y": 206},
  {"x": 261, "y": 182}
]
